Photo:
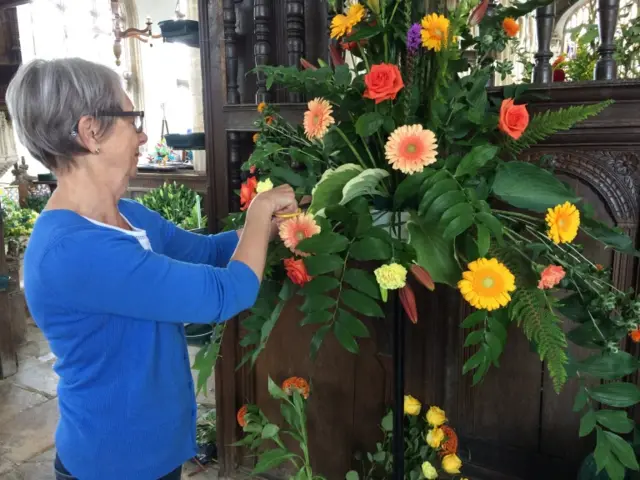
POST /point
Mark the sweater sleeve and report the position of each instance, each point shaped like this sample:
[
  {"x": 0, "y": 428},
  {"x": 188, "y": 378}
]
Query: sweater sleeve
[
  {"x": 113, "y": 274},
  {"x": 192, "y": 247}
]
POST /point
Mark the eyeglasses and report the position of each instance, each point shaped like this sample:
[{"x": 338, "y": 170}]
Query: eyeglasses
[{"x": 138, "y": 119}]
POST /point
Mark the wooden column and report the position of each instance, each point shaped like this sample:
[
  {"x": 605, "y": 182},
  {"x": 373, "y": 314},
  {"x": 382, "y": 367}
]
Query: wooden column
[
  {"x": 230, "y": 50},
  {"x": 8, "y": 353},
  {"x": 262, "y": 12},
  {"x": 545, "y": 17},
  {"x": 607, "y": 22},
  {"x": 295, "y": 40}
]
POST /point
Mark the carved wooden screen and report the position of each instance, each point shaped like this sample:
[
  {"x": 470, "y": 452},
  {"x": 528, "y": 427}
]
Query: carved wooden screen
[{"x": 512, "y": 426}]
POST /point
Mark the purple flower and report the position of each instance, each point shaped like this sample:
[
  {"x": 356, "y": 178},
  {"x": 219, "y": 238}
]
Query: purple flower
[{"x": 414, "y": 38}]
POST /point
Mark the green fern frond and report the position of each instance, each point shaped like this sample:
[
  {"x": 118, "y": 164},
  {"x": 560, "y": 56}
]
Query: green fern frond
[
  {"x": 546, "y": 124},
  {"x": 539, "y": 324}
]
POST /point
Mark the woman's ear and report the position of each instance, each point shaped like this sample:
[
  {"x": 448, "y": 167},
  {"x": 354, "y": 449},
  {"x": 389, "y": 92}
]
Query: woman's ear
[{"x": 87, "y": 130}]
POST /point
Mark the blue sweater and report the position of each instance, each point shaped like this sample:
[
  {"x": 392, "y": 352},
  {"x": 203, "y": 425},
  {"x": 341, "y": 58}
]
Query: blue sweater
[{"x": 113, "y": 314}]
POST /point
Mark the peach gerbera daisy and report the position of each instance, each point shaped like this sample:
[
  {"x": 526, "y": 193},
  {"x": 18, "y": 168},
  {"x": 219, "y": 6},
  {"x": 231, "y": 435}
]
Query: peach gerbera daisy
[
  {"x": 435, "y": 31},
  {"x": 410, "y": 148},
  {"x": 318, "y": 118},
  {"x": 296, "y": 229}
]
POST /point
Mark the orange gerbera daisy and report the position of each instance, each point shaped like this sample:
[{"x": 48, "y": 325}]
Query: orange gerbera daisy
[
  {"x": 450, "y": 445},
  {"x": 511, "y": 27},
  {"x": 296, "y": 384},
  {"x": 635, "y": 335},
  {"x": 410, "y": 148},
  {"x": 318, "y": 118},
  {"x": 241, "y": 415},
  {"x": 296, "y": 229}
]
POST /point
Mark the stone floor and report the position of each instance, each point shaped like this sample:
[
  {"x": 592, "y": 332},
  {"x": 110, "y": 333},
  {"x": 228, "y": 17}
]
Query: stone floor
[{"x": 29, "y": 414}]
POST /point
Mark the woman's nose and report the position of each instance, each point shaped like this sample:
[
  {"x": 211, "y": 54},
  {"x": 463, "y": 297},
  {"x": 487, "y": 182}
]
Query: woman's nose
[{"x": 142, "y": 138}]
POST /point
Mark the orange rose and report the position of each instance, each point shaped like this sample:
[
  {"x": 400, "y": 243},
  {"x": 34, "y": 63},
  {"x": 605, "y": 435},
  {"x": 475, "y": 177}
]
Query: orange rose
[
  {"x": 635, "y": 335},
  {"x": 511, "y": 27},
  {"x": 248, "y": 192},
  {"x": 551, "y": 276},
  {"x": 514, "y": 119},
  {"x": 296, "y": 384},
  {"x": 240, "y": 416},
  {"x": 296, "y": 271},
  {"x": 383, "y": 82}
]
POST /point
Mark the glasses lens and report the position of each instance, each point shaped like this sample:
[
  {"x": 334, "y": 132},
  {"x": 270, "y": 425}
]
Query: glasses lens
[{"x": 139, "y": 124}]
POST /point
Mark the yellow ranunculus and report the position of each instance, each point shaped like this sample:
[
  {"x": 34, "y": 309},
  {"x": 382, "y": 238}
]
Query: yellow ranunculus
[
  {"x": 451, "y": 463},
  {"x": 429, "y": 471},
  {"x": 436, "y": 416},
  {"x": 392, "y": 276},
  {"x": 264, "y": 185},
  {"x": 411, "y": 406},
  {"x": 435, "y": 437}
]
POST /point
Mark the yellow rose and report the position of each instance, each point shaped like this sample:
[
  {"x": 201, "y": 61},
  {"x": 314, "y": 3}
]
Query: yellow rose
[
  {"x": 429, "y": 471},
  {"x": 451, "y": 463},
  {"x": 435, "y": 437},
  {"x": 411, "y": 406},
  {"x": 436, "y": 416},
  {"x": 264, "y": 185}
]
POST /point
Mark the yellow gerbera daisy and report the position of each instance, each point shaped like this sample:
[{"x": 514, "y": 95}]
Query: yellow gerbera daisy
[
  {"x": 342, "y": 25},
  {"x": 261, "y": 107},
  {"x": 435, "y": 31},
  {"x": 392, "y": 276},
  {"x": 563, "y": 221},
  {"x": 487, "y": 284}
]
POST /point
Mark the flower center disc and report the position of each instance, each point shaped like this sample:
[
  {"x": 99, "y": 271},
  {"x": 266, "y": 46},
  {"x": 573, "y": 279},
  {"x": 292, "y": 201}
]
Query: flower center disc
[
  {"x": 411, "y": 148},
  {"x": 487, "y": 282},
  {"x": 300, "y": 236}
]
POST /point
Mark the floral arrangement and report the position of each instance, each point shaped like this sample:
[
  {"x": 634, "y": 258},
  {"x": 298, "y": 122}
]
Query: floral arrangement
[
  {"x": 259, "y": 431},
  {"x": 431, "y": 446},
  {"x": 407, "y": 166},
  {"x": 162, "y": 153}
]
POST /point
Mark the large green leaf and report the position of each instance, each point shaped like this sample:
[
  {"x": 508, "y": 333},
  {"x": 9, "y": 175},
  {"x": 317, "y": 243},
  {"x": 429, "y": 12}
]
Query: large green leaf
[
  {"x": 610, "y": 366},
  {"x": 345, "y": 338},
  {"x": 611, "y": 236},
  {"x": 434, "y": 254},
  {"x": 444, "y": 186},
  {"x": 370, "y": 248},
  {"x": 321, "y": 316},
  {"x": 321, "y": 285},
  {"x": 475, "y": 159},
  {"x": 325, "y": 242},
  {"x": 621, "y": 395},
  {"x": 525, "y": 185},
  {"x": 328, "y": 191},
  {"x": 314, "y": 303},
  {"x": 587, "y": 423},
  {"x": 353, "y": 325},
  {"x": 288, "y": 176},
  {"x": 615, "y": 420},
  {"x": 270, "y": 430},
  {"x": 369, "y": 123},
  {"x": 409, "y": 187},
  {"x": 622, "y": 450},
  {"x": 364, "y": 183},
  {"x": 320, "y": 264},
  {"x": 317, "y": 339},
  {"x": 457, "y": 226}
]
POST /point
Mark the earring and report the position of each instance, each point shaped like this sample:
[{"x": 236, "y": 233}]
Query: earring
[{"x": 97, "y": 150}]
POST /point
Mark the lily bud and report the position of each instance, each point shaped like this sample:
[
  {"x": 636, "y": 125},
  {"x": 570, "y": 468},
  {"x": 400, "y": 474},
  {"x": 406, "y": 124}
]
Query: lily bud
[
  {"x": 374, "y": 5},
  {"x": 478, "y": 13},
  {"x": 451, "y": 5},
  {"x": 408, "y": 300},
  {"x": 307, "y": 65},
  {"x": 336, "y": 55},
  {"x": 423, "y": 277}
]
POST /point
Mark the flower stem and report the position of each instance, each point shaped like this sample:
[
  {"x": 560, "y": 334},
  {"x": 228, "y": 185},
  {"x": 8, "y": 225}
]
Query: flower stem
[{"x": 350, "y": 145}]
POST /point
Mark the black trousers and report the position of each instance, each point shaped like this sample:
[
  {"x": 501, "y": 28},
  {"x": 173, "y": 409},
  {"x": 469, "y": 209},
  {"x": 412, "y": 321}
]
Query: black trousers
[{"x": 63, "y": 474}]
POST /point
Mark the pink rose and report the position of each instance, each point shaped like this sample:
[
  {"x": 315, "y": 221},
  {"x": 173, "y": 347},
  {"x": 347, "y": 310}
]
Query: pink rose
[{"x": 551, "y": 276}]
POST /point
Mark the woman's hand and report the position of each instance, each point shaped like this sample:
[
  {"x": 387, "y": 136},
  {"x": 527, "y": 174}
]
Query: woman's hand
[{"x": 281, "y": 199}]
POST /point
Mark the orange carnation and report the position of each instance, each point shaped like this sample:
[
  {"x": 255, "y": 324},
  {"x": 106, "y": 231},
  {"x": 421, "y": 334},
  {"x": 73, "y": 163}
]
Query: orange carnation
[
  {"x": 383, "y": 82},
  {"x": 296, "y": 384},
  {"x": 551, "y": 276},
  {"x": 240, "y": 416},
  {"x": 514, "y": 119},
  {"x": 635, "y": 335},
  {"x": 511, "y": 27},
  {"x": 248, "y": 192},
  {"x": 297, "y": 271},
  {"x": 450, "y": 445}
]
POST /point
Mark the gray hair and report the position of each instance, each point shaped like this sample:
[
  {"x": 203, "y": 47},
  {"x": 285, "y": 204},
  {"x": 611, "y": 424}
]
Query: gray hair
[{"x": 47, "y": 98}]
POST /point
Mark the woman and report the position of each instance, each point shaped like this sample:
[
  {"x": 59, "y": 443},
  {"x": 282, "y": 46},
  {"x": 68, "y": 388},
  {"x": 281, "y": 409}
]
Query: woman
[{"x": 111, "y": 283}]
